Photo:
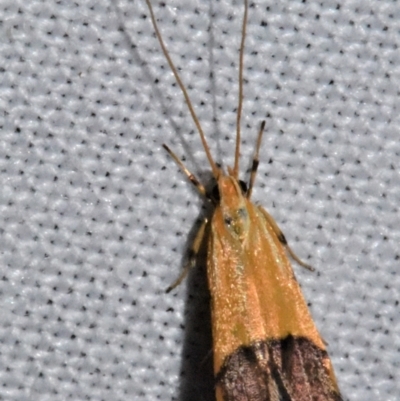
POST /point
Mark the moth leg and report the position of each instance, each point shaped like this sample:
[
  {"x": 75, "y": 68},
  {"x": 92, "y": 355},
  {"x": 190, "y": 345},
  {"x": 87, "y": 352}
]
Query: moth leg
[
  {"x": 191, "y": 176},
  {"x": 256, "y": 160},
  {"x": 282, "y": 239},
  {"x": 193, "y": 252}
]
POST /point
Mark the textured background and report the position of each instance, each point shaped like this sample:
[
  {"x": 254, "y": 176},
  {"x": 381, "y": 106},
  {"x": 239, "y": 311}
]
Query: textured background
[{"x": 96, "y": 218}]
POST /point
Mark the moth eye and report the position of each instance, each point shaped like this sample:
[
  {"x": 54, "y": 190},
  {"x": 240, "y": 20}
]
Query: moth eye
[
  {"x": 215, "y": 193},
  {"x": 243, "y": 187}
]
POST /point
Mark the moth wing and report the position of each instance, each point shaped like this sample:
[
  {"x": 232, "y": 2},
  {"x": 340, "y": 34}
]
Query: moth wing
[{"x": 266, "y": 345}]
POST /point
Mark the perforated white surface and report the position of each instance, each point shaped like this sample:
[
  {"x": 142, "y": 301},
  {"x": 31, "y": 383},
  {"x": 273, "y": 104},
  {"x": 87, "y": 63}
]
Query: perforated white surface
[{"x": 96, "y": 218}]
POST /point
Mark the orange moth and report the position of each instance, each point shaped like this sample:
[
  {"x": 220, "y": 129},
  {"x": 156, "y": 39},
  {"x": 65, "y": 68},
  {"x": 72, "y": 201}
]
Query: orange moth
[{"x": 265, "y": 344}]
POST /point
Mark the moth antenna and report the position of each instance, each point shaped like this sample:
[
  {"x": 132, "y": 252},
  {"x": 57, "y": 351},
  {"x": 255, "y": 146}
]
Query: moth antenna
[
  {"x": 240, "y": 100},
  {"x": 214, "y": 167}
]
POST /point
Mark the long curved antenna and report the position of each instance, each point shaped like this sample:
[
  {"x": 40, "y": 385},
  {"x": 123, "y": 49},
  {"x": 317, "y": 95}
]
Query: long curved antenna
[
  {"x": 240, "y": 100},
  {"x": 214, "y": 167}
]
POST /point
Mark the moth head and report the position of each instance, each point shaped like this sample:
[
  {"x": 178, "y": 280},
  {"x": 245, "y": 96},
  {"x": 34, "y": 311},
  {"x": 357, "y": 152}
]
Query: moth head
[{"x": 232, "y": 203}]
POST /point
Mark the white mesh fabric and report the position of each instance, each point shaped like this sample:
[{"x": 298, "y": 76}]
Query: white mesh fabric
[{"x": 96, "y": 218}]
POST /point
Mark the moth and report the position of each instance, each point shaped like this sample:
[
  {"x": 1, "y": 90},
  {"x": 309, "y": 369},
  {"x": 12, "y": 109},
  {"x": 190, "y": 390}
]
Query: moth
[{"x": 265, "y": 343}]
